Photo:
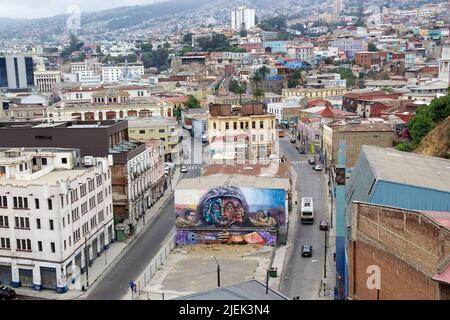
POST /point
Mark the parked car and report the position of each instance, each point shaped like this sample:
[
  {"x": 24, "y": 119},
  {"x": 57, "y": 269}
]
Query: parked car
[
  {"x": 306, "y": 250},
  {"x": 318, "y": 167},
  {"x": 184, "y": 169},
  {"x": 323, "y": 225},
  {"x": 301, "y": 149},
  {"x": 311, "y": 161},
  {"x": 6, "y": 293},
  {"x": 293, "y": 140}
]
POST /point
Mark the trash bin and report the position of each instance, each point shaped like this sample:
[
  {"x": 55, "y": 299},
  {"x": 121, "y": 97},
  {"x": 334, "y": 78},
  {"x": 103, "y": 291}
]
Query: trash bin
[{"x": 273, "y": 272}]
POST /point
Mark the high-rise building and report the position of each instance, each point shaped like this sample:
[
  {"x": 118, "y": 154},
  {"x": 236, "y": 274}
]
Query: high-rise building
[
  {"x": 16, "y": 72},
  {"x": 242, "y": 18},
  {"x": 444, "y": 64}
]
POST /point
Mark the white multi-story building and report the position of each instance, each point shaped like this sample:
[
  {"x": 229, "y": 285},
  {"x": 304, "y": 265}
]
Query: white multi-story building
[
  {"x": 243, "y": 18},
  {"x": 444, "y": 64},
  {"x": 88, "y": 77},
  {"x": 45, "y": 81},
  {"x": 121, "y": 72},
  {"x": 55, "y": 216},
  {"x": 94, "y": 66}
]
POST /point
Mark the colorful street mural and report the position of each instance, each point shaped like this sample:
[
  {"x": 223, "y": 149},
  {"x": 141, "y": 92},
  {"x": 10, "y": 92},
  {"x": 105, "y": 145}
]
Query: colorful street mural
[{"x": 229, "y": 215}]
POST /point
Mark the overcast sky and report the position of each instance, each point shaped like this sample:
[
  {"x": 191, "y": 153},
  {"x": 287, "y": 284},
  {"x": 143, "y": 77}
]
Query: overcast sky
[{"x": 28, "y": 9}]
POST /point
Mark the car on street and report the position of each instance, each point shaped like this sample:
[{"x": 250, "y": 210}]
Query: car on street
[
  {"x": 306, "y": 250},
  {"x": 6, "y": 293},
  {"x": 323, "y": 225},
  {"x": 318, "y": 167},
  {"x": 184, "y": 169},
  {"x": 311, "y": 161},
  {"x": 293, "y": 140},
  {"x": 301, "y": 149}
]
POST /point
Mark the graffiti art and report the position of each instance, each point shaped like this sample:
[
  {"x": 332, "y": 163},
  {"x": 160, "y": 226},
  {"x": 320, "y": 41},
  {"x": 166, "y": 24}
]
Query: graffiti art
[{"x": 229, "y": 209}]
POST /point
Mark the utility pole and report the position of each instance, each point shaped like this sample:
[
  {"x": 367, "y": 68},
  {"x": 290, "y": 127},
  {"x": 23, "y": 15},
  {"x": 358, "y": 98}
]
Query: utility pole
[
  {"x": 325, "y": 256},
  {"x": 86, "y": 262}
]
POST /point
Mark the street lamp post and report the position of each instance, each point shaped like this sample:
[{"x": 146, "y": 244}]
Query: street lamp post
[
  {"x": 86, "y": 260},
  {"x": 218, "y": 271}
]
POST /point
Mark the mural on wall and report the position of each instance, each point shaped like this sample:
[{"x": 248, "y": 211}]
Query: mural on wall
[{"x": 229, "y": 210}]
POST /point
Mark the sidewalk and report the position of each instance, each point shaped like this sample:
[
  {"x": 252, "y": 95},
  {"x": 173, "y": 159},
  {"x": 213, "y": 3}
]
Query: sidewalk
[{"x": 106, "y": 260}]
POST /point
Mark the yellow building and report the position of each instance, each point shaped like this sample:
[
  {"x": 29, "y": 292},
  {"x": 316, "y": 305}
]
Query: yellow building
[
  {"x": 314, "y": 92},
  {"x": 165, "y": 129},
  {"x": 241, "y": 132}
]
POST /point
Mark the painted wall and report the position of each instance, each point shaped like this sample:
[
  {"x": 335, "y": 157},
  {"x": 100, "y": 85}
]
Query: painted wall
[{"x": 229, "y": 214}]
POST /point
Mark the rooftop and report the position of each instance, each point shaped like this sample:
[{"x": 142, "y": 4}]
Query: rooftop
[
  {"x": 407, "y": 168},
  {"x": 241, "y": 180},
  {"x": 247, "y": 290}
]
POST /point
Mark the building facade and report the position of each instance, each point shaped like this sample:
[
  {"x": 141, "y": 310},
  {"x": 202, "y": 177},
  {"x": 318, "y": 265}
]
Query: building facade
[
  {"x": 242, "y": 18},
  {"x": 16, "y": 72},
  {"x": 46, "y": 81},
  {"x": 56, "y": 215}
]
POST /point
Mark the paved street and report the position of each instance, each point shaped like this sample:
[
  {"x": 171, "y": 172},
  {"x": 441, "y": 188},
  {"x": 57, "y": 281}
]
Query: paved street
[
  {"x": 114, "y": 285},
  {"x": 302, "y": 276}
]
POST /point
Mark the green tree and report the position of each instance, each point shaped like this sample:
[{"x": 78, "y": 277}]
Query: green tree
[
  {"x": 187, "y": 38},
  {"x": 177, "y": 113},
  {"x": 347, "y": 74},
  {"x": 264, "y": 71},
  {"x": 405, "y": 146},
  {"x": 256, "y": 79},
  {"x": 157, "y": 58},
  {"x": 146, "y": 47},
  {"x": 440, "y": 108},
  {"x": 372, "y": 47},
  {"x": 258, "y": 94},
  {"x": 192, "y": 102},
  {"x": 420, "y": 124}
]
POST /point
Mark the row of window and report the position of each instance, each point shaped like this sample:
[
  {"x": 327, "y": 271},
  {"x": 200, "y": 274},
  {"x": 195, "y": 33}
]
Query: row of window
[
  {"x": 24, "y": 223},
  {"x": 22, "y": 203},
  {"x": 24, "y": 245},
  {"x": 242, "y": 124}
]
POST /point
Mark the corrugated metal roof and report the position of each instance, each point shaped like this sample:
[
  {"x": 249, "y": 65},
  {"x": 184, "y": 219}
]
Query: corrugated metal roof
[
  {"x": 247, "y": 290},
  {"x": 407, "y": 168}
]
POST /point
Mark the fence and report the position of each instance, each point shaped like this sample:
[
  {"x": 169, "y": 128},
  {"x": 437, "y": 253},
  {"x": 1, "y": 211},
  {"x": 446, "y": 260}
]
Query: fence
[{"x": 156, "y": 263}]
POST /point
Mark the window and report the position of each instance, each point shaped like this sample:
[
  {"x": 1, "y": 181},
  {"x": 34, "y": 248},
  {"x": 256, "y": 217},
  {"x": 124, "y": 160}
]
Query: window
[
  {"x": 214, "y": 126},
  {"x": 246, "y": 124},
  {"x": 261, "y": 124},
  {"x": 52, "y": 227},
  {"x": 23, "y": 244},
  {"x": 84, "y": 208},
  {"x": 83, "y": 190},
  {"x": 235, "y": 125},
  {"x": 64, "y": 160},
  {"x": 93, "y": 221},
  {"x": 44, "y": 161},
  {"x": 38, "y": 223},
  {"x": 4, "y": 222},
  {"x": 75, "y": 215},
  {"x": 52, "y": 246},
  {"x": 227, "y": 126},
  {"x": 20, "y": 203},
  {"x": 261, "y": 137},
  {"x": 74, "y": 195},
  {"x": 5, "y": 243},
  {"x": 3, "y": 202},
  {"x": 76, "y": 236},
  {"x": 101, "y": 216},
  {"x": 64, "y": 222},
  {"x": 91, "y": 202},
  {"x": 40, "y": 246},
  {"x": 99, "y": 180},
  {"x": 21, "y": 167},
  {"x": 91, "y": 184},
  {"x": 99, "y": 197},
  {"x": 70, "y": 241},
  {"x": 36, "y": 203},
  {"x": 85, "y": 228},
  {"x": 34, "y": 162},
  {"x": 162, "y": 130},
  {"x": 65, "y": 245},
  {"x": 142, "y": 131},
  {"x": 22, "y": 223},
  {"x": 253, "y": 124},
  {"x": 50, "y": 204}
]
